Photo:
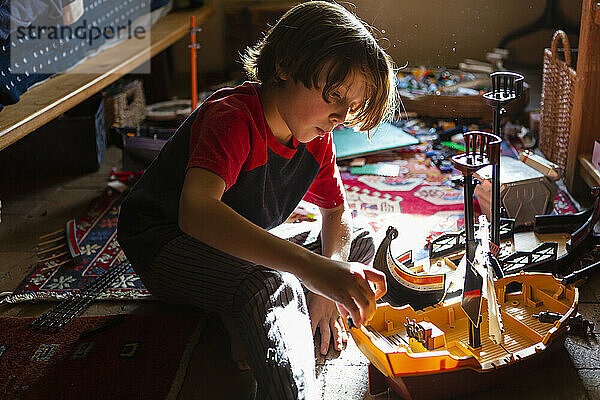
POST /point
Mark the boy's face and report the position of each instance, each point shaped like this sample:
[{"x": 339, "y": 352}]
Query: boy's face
[{"x": 304, "y": 113}]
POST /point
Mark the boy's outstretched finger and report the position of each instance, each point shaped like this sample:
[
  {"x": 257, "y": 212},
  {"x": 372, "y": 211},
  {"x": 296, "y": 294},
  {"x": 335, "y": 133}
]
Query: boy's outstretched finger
[
  {"x": 350, "y": 308},
  {"x": 378, "y": 279},
  {"x": 325, "y": 337},
  {"x": 343, "y": 312},
  {"x": 364, "y": 299}
]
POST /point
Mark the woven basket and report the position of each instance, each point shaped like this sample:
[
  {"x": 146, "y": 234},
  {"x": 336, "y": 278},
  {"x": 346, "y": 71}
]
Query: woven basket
[
  {"x": 558, "y": 89},
  {"x": 127, "y": 107}
]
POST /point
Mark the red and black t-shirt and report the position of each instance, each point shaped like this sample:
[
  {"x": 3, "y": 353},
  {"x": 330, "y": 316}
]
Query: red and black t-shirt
[{"x": 229, "y": 136}]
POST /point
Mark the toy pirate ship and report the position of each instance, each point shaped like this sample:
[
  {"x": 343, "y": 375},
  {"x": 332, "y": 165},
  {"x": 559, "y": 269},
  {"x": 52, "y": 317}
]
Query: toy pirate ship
[
  {"x": 425, "y": 345},
  {"x": 440, "y": 352}
]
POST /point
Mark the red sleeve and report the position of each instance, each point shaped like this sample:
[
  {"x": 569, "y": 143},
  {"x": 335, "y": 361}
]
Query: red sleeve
[
  {"x": 220, "y": 143},
  {"x": 327, "y": 190}
]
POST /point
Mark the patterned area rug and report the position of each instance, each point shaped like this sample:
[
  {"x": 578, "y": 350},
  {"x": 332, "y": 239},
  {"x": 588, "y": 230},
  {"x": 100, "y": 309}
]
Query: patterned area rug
[
  {"x": 421, "y": 202},
  {"x": 562, "y": 204},
  {"x": 107, "y": 357},
  {"x": 96, "y": 233}
]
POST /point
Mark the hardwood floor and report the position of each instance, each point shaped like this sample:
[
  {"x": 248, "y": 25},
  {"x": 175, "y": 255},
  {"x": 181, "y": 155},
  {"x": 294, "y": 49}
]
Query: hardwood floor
[{"x": 34, "y": 207}]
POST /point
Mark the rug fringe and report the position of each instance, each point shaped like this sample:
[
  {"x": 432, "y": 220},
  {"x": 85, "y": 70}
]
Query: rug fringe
[{"x": 41, "y": 296}]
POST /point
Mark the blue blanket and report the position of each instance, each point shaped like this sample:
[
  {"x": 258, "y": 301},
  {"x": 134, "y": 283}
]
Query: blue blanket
[{"x": 59, "y": 47}]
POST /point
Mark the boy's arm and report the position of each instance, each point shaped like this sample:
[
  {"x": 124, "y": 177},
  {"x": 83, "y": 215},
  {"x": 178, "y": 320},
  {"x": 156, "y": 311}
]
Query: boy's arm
[
  {"x": 203, "y": 216},
  {"x": 336, "y": 233}
]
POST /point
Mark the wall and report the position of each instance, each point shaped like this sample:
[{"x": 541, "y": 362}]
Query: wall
[
  {"x": 445, "y": 32},
  {"x": 419, "y": 32}
]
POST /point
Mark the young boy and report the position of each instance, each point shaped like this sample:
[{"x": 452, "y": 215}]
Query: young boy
[{"x": 195, "y": 225}]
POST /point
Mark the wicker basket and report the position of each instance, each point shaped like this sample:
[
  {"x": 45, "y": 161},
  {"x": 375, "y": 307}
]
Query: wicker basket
[
  {"x": 558, "y": 89},
  {"x": 126, "y": 106}
]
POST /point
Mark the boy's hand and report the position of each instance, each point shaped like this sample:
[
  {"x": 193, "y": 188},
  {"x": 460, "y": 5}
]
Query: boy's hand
[
  {"x": 375, "y": 281},
  {"x": 325, "y": 316},
  {"x": 349, "y": 285}
]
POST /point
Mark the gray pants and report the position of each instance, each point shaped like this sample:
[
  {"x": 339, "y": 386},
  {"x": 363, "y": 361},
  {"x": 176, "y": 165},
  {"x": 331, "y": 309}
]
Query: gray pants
[{"x": 269, "y": 306}]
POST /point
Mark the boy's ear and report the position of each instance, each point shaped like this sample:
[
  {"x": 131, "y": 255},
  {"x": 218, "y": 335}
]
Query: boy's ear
[{"x": 281, "y": 74}]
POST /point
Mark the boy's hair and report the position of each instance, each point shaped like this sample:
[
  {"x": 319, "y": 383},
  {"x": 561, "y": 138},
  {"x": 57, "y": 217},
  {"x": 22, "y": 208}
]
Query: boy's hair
[{"x": 319, "y": 39}]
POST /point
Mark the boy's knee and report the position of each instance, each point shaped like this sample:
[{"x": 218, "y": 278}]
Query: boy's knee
[
  {"x": 267, "y": 286},
  {"x": 362, "y": 248},
  {"x": 362, "y": 231}
]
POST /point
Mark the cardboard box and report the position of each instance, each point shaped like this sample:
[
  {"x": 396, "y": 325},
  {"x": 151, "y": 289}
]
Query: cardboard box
[
  {"x": 72, "y": 143},
  {"x": 524, "y": 191}
]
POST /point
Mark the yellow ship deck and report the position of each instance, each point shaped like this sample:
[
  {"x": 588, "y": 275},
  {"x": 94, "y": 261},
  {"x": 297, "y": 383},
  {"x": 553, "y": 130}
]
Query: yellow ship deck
[{"x": 523, "y": 334}]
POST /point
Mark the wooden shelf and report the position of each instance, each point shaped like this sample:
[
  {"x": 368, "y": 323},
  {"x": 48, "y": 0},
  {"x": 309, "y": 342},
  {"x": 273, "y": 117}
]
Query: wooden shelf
[
  {"x": 587, "y": 171},
  {"x": 52, "y": 98}
]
